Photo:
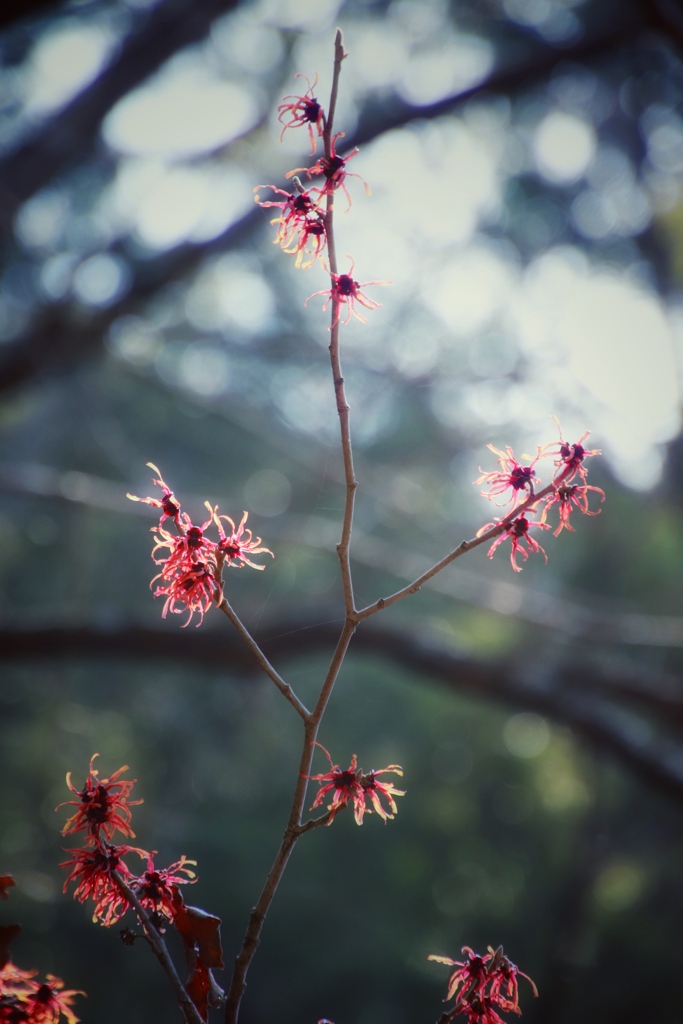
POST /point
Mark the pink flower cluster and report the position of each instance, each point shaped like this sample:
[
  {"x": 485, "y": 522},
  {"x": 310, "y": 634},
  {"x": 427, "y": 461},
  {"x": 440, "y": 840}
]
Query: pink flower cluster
[
  {"x": 100, "y": 873},
  {"x": 351, "y": 785},
  {"x": 102, "y": 809},
  {"x": 517, "y": 483},
  {"x": 191, "y": 563},
  {"x": 303, "y": 224},
  {"x": 482, "y": 985},
  {"x": 26, "y": 1000}
]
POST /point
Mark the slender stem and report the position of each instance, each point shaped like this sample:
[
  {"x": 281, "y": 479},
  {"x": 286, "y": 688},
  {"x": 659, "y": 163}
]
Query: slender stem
[
  {"x": 344, "y": 546},
  {"x": 189, "y": 1010},
  {"x": 466, "y": 545},
  {"x": 339, "y": 56},
  {"x": 311, "y": 719},
  {"x": 293, "y": 831},
  {"x": 284, "y": 688},
  {"x": 343, "y": 410}
]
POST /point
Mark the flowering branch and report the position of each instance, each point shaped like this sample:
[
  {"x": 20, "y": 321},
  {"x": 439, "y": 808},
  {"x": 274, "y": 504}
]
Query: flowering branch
[
  {"x": 559, "y": 490},
  {"x": 464, "y": 546},
  {"x": 343, "y": 409},
  {"x": 158, "y": 945},
  {"x": 192, "y": 563}
]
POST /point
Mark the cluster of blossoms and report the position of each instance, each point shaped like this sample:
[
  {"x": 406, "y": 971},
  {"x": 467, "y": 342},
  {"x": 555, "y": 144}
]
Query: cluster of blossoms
[
  {"x": 351, "y": 785},
  {"x": 303, "y": 224},
  {"x": 24, "y": 999},
  {"x": 98, "y": 868},
  {"x": 100, "y": 873},
  {"x": 517, "y": 483},
  {"x": 482, "y": 985},
  {"x": 191, "y": 563}
]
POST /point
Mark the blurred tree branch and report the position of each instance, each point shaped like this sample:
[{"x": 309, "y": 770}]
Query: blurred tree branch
[
  {"x": 577, "y": 619},
  {"x": 63, "y": 334},
  {"x": 18, "y": 10},
  {"x": 73, "y": 132},
  {"x": 580, "y": 696}
]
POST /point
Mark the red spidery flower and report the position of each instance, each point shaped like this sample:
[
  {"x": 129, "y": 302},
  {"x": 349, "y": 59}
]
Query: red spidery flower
[
  {"x": 194, "y": 588},
  {"x": 48, "y": 1003},
  {"x": 375, "y": 791},
  {"x": 157, "y": 887},
  {"x": 570, "y": 457},
  {"x": 167, "y": 503},
  {"x": 189, "y": 577},
  {"x": 103, "y": 805},
  {"x": 92, "y": 870},
  {"x": 334, "y": 169},
  {"x": 239, "y": 544},
  {"x": 345, "y": 290},
  {"x": 517, "y": 531},
  {"x": 188, "y": 548},
  {"x": 511, "y": 477},
  {"x": 565, "y": 496},
  {"x": 481, "y": 985},
  {"x": 301, "y": 227},
  {"x": 352, "y": 785},
  {"x": 302, "y": 110},
  {"x": 25, "y": 1000}
]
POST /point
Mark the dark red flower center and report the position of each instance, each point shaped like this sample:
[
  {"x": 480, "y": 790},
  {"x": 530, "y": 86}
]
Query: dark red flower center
[
  {"x": 301, "y": 204},
  {"x": 194, "y": 537},
  {"x": 573, "y": 453},
  {"x": 97, "y": 804},
  {"x": 331, "y": 167},
  {"x": 344, "y": 780},
  {"x": 520, "y": 477},
  {"x": 170, "y": 507},
  {"x": 311, "y": 110},
  {"x": 519, "y": 528},
  {"x": 44, "y": 994},
  {"x": 345, "y": 285}
]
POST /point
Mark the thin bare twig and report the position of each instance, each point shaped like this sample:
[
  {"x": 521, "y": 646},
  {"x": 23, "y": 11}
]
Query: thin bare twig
[{"x": 284, "y": 687}]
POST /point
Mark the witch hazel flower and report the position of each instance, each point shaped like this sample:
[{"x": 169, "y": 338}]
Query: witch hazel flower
[
  {"x": 157, "y": 888},
  {"x": 376, "y": 791},
  {"x": 351, "y": 785},
  {"x": 92, "y": 869},
  {"x": 568, "y": 497},
  {"x": 170, "y": 508},
  {"x": 519, "y": 480},
  {"x": 518, "y": 533},
  {"x": 25, "y": 1000},
  {"x": 570, "y": 457},
  {"x": 190, "y": 561},
  {"x": 239, "y": 544},
  {"x": 346, "y": 291},
  {"x": 103, "y": 805},
  {"x": 296, "y": 111},
  {"x": 191, "y": 544},
  {"x": 482, "y": 985},
  {"x": 301, "y": 226},
  {"x": 334, "y": 170},
  {"x": 193, "y": 590}
]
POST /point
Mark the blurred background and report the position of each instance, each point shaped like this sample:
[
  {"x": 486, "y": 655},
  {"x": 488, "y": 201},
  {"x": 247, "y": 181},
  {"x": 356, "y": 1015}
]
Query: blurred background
[{"x": 525, "y": 159}]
